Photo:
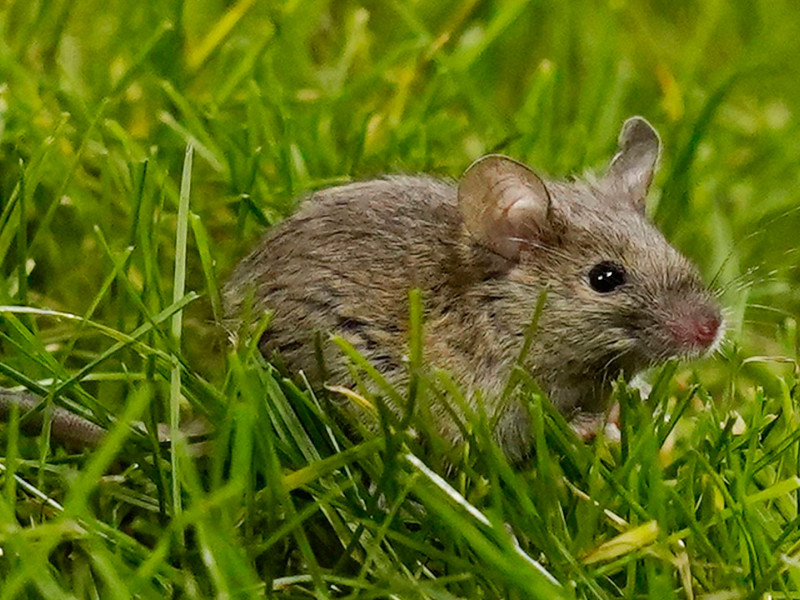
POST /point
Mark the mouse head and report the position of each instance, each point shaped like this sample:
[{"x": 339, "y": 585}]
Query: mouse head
[{"x": 616, "y": 284}]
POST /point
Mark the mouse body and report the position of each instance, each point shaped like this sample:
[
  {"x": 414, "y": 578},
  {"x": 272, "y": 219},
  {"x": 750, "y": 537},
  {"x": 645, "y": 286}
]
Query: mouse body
[{"x": 619, "y": 298}]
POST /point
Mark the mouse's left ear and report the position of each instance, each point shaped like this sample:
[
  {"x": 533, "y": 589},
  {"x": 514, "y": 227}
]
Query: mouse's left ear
[
  {"x": 631, "y": 171},
  {"x": 503, "y": 204}
]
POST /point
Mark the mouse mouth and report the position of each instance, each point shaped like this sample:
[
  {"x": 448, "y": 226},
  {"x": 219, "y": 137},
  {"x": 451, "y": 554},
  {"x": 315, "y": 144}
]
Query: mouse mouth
[{"x": 718, "y": 338}]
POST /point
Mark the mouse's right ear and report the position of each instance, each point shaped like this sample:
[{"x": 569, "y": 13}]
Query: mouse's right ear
[
  {"x": 631, "y": 170},
  {"x": 503, "y": 203}
]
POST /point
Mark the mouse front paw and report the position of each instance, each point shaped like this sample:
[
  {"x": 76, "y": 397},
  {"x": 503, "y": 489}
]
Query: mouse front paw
[{"x": 587, "y": 425}]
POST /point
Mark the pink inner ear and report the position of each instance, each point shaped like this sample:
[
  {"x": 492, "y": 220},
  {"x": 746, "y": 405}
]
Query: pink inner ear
[
  {"x": 523, "y": 212},
  {"x": 515, "y": 217},
  {"x": 502, "y": 201},
  {"x": 519, "y": 199},
  {"x": 637, "y": 182}
]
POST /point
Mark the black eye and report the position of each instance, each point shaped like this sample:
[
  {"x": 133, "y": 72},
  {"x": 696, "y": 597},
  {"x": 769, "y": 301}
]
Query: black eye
[{"x": 605, "y": 277}]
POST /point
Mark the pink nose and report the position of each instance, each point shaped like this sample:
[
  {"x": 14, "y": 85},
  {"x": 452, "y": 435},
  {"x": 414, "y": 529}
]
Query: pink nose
[
  {"x": 706, "y": 329},
  {"x": 698, "y": 330}
]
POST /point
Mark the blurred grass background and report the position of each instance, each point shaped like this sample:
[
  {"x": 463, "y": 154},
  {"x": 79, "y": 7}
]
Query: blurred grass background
[{"x": 98, "y": 101}]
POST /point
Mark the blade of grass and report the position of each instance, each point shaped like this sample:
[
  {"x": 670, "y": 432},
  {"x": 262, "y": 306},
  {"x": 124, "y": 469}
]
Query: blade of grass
[{"x": 178, "y": 291}]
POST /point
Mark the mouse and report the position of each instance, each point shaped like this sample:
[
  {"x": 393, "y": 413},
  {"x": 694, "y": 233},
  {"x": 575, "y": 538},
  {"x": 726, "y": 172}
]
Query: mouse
[{"x": 618, "y": 297}]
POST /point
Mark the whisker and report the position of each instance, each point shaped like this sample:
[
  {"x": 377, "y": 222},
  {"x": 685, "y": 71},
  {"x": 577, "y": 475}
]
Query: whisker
[
  {"x": 761, "y": 323},
  {"x": 753, "y": 276},
  {"x": 614, "y": 357},
  {"x": 769, "y": 308}
]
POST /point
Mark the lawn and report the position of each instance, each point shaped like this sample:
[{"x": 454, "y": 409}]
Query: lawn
[{"x": 115, "y": 241}]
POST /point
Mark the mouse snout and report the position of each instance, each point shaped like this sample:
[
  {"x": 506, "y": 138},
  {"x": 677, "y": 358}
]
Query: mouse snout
[{"x": 696, "y": 328}]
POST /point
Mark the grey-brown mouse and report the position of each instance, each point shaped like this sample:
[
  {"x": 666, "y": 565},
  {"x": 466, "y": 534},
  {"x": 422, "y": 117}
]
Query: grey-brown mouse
[{"x": 619, "y": 297}]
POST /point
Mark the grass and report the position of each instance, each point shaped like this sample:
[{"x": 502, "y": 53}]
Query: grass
[{"x": 98, "y": 104}]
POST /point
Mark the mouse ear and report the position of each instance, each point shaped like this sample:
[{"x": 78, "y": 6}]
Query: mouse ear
[
  {"x": 502, "y": 203},
  {"x": 631, "y": 170}
]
